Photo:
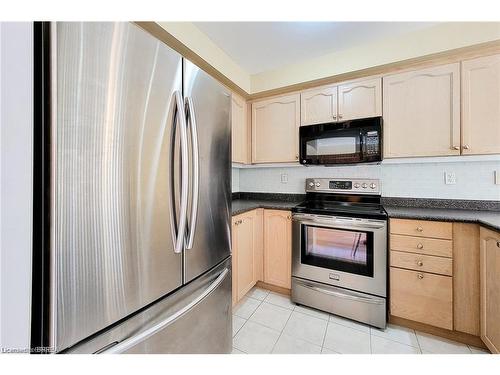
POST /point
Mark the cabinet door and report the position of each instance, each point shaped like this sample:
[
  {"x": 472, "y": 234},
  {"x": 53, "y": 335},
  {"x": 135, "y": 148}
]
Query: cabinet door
[
  {"x": 275, "y": 134},
  {"x": 318, "y": 106},
  {"x": 360, "y": 99},
  {"x": 481, "y": 105},
  {"x": 245, "y": 235},
  {"x": 422, "y": 112},
  {"x": 490, "y": 288},
  {"x": 240, "y": 136},
  {"x": 234, "y": 261},
  {"x": 277, "y": 248}
]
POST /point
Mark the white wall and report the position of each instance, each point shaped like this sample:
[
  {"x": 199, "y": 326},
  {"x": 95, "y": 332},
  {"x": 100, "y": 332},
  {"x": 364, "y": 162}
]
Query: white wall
[
  {"x": 16, "y": 130},
  {"x": 418, "y": 179},
  {"x": 235, "y": 178}
]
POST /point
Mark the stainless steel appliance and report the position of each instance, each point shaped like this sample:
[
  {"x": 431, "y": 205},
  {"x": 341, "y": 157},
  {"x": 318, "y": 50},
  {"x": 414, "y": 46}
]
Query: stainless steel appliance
[
  {"x": 339, "y": 249},
  {"x": 348, "y": 142},
  {"x": 136, "y": 212}
]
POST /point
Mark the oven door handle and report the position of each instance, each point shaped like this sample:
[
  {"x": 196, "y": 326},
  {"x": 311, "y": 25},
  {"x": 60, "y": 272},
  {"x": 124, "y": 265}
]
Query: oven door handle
[
  {"x": 338, "y": 223},
  {"x": 344, "y": 295}
]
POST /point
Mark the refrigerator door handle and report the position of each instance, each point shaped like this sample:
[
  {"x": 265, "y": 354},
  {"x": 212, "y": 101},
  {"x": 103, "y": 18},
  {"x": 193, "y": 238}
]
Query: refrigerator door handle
[
  {"x": 191, "y": 121},
  {"x": 178, "y": 230},
  {"x": 132, "y": 341}
]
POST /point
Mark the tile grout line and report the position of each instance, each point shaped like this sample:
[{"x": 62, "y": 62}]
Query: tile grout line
[
  {"x": 324, "y": 335},
  {"x": 281, "y": 333}
]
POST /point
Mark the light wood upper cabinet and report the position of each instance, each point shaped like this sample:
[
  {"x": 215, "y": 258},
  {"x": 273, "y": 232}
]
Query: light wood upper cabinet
[
  {"x": 278, "y": 248},
  {"x": 275, "y": 124},
  {"x": 240, "y": 130},
  {"x": 360, "y": 99},
  {"x": 422, "y": 112},
  {"x": 247, "y": 252},
  {"x": 490, "y": 288},
  {"x": 481, "y": 105},
  {"x": 318, "y": 106}
]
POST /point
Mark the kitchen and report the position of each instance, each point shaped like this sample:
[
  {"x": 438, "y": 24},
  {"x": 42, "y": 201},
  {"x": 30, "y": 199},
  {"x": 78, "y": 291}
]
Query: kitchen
[{"x": 339, "y": 210}]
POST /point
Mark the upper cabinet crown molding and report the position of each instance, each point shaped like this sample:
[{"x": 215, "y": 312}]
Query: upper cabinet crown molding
[
  {"x": 318, "y": 106},
  {"x": 422, "y": 106},
  {"x": 275, "y": 123},
  {"x": 360, "y": 99},
  {"x": 481, "y": 105}
]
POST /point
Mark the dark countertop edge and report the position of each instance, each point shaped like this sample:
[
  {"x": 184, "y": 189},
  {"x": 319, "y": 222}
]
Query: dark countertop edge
[{"x": 434, "y": 203}]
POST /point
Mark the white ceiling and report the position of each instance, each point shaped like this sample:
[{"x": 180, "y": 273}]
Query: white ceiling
[{"x": 261, "y": 46}]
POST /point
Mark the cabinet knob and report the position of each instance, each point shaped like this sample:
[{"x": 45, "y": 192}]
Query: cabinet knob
[
  {"x": 455, "y": 147},
  {"x": 420, "y": 229},
  {"x": 289, "y": 217},
  {"x": 420, "y": 263},
  {"x": 340, "y": 116},
  {"x": 297, "y": 157},
  {"x": 420, "y": 246},
  {"x": 466, "y": 147},
  {"x": 498, "y": 243},
  {"x": 420, "y": 276},
  {"x": 334, "y": 117}
]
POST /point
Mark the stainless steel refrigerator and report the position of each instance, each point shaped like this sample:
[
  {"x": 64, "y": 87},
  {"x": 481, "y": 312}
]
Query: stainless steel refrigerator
[{"x": 136, "y": 210}]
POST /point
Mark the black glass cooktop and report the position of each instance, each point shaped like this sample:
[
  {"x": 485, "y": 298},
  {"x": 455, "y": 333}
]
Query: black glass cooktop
[{"x": 342, "y": 205}]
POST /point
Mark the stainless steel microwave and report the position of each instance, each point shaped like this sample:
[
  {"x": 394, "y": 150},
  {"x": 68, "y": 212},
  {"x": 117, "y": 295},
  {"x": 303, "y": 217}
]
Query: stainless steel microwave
[{"x": 348, "y": 142}]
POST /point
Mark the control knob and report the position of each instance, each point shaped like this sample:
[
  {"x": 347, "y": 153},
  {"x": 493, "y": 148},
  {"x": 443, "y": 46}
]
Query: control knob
[
  {"x": 364, "y": 185},
  {"x": 318, "y": 184},
  {"x": 311, "y": 184},
  {"x": 373, "y": 186},
  {"x": 356, "y": 185}
]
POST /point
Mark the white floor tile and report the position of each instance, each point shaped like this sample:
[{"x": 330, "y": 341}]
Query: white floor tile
[
  {"x": 306, "y": 327},
  {"x": 346, "y": 340},
  {"x": 237, "y": 324},
  {"x": 392, "y": 332},
  {"x": 349, "y": 323},
  {"x": 327, "y": 351},
  {"x": 381, "y": 345},
  {"x": 246, "y": 307},
  {"x": 475, "y": 350},
  {"x": 254, "y": 338},
  {"x": 236, "y": 351},
  {"x": 291, "y": 345},
  {"x": 439, "y": 345},
  {"x": 257, "y": 293},
  {"x": 271, "y": 316},
  {"x": 313, "y": 312},
  {"x": 280, "y": 300}
]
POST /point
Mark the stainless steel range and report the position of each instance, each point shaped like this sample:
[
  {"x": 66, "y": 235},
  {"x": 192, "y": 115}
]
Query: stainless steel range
[{"x": 339, "y": 256}]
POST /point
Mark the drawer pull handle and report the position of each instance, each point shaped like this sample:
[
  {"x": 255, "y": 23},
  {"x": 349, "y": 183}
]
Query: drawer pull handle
[
  {"x": 420, "y": 229},
  {"x": 420, "y": 246},
  {"x": 420, "y": 263},
  {"x": 420, "y": 276}
]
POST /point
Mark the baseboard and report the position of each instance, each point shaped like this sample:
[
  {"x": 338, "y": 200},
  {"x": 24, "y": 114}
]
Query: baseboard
[
  {"x": 273, "y": 288},
  {"x": 464, "y": 338}
]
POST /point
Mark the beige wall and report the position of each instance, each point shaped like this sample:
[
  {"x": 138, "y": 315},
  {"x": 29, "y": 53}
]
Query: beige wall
[{"x": 435, "y": 39}]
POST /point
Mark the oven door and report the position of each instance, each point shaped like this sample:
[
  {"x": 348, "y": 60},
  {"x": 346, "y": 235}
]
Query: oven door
[{"x": 341, "y": 251}]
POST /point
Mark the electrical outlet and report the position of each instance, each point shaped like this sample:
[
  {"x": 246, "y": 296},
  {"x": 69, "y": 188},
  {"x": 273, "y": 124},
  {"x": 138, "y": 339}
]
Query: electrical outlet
[
  {"x": 497, "y": 177},
  {"x": 284, "y": 178},
  {"x": 450, "y": 178}
]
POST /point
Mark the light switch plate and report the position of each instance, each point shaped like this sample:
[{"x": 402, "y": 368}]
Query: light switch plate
[
  {"x": 450, "y": 178},
  {"x": 497, "y": 177},
  {"x": 284, "y": 178}
]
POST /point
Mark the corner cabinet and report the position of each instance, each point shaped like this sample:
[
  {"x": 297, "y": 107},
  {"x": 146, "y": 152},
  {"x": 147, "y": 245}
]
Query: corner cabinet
[
  {"x": 360, "y": 99},
  {"x": 490, "y": 288},
  {"x": 240, "y": 135},
  {"x": 278, "y": 248},
  {"x": 481, "y": 105},
  {"x": 318, "y": 106},
  {"x": 275, "y": 124},
  {"x": 422, "y": 106}
]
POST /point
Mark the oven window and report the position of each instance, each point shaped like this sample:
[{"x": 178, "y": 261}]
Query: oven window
[
  {"x": 331, "y": 146},
  {"x": 338, "y": 249}
]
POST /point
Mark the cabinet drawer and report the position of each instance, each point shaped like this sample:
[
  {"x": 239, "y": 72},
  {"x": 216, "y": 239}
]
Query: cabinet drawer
[
  {"x": 420, "y": 262},
  {"x": 422, "y": 297},
  {"x": 422, "y": 228},
  {"x": 422, "y": 245}
]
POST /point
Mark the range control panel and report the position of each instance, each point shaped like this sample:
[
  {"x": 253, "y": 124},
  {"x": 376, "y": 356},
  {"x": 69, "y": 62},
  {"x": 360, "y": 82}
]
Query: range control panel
[{"x": 343, "y": 185}]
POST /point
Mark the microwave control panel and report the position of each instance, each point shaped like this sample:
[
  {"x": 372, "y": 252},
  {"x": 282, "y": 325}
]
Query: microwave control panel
[{"x": 372, "y": 143}]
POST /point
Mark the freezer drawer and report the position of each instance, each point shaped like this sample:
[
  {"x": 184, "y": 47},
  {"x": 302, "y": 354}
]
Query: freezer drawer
[
  {"x": 344, "y": 302},
  {"x": 195, "y": 319}
]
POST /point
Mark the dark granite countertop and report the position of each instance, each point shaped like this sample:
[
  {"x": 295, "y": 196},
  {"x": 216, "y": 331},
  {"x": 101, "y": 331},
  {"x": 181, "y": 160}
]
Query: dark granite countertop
[
  {"x": 243, "y": 202},
  {"x": 486, "y": 213}
]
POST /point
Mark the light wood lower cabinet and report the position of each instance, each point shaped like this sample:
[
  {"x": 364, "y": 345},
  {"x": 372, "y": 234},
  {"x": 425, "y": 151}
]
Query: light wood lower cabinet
[
  {"x": 278, "y": 248},
  {"x": 490, "y": 288},
  {"x": 247, "y": 252}
]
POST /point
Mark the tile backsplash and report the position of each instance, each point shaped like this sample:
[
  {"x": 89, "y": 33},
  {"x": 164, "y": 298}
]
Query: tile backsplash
[{"x": 474, "y": 179}]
